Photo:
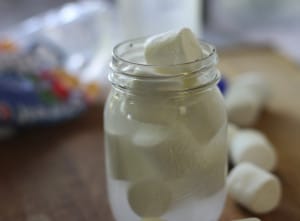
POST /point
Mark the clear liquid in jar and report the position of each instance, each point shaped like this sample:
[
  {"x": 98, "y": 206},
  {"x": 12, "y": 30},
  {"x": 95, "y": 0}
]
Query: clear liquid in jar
[{"x": 162, "y": 170}]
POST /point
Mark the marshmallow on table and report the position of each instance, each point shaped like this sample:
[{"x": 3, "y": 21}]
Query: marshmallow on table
[
  {"x": 257, "y": 190},
  {"x": 247, "y": 219},
  {"x": 252, "y": 146},
  {"x": 256, "y": 82},
  {"x": 245, "y": 98}
]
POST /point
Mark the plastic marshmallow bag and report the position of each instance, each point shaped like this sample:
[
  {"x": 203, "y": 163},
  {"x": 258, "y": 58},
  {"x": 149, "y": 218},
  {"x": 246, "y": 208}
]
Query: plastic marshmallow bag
[{"x": 53, "y": 66}]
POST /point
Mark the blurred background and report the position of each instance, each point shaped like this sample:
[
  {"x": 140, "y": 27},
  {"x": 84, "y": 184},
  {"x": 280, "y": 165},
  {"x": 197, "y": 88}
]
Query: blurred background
[
  {"x": 66, "y": 45},
  {"x": 224, "y": 21}
]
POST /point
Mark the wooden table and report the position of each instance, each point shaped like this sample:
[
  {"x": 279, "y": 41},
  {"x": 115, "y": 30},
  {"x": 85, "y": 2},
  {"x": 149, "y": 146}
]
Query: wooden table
[{"x": 57, "y": 173}]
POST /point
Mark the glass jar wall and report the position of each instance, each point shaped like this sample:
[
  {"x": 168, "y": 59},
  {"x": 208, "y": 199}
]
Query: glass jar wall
[{"x": 165, "y": 138}]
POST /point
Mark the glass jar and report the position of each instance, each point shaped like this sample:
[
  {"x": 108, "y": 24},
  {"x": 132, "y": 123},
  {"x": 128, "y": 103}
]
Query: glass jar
[{"x": 165, "y": 138}]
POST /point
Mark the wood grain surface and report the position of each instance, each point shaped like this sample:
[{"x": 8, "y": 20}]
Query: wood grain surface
[{"x": 57, "y": 173}]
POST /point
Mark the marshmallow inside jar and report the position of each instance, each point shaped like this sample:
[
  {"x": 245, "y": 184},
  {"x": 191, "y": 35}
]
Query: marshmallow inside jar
[
  {"x": 126, "y": 161},
  {"x": 202, "y": 116},
  {"x": 174, "y": 61}
]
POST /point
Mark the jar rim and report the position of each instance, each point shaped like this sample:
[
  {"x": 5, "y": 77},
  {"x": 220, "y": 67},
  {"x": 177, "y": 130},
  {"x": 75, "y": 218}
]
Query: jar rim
[{"x": 206, "y": 61}]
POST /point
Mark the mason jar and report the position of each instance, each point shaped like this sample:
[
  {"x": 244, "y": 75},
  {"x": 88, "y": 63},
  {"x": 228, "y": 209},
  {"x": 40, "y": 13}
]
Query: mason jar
[{"x": 165, "y": 138}]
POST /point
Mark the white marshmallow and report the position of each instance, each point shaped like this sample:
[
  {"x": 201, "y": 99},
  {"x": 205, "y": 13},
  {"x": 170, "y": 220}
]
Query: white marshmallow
[
  {"x": 242, "y": 106},
  {"x": 150, "y": 135},
  {"x": 126, "y": 161},
  {"x": 173, "y": 152},
  {"x": 232, "y": 130},
  {"x": 118, "y": 121},
  {"x": 149, "y": 198},
  {"x": 254, "y": 188},
  {"x": 146, "y": 110},
  {"x": 256, "y": 82},
  {"x": 173, "y": 47},
  {"x": 252, "y": 146},
  {"x": 182, "y": 161},
  {"x": 247, "y": 219},
  {"x": 204, "y": 115},
  {"x": 245, "y": 98},
  {"x": 208, "y": 176}
]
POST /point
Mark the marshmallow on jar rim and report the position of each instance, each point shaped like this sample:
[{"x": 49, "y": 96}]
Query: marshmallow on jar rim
[
  {"x": 151, "y": 84},
  {"x": 257, "y": 190},
  {"x": 172, "y": 48},
  {"x": 252, "y": 146}
]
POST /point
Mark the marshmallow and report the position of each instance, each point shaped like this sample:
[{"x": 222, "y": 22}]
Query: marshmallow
[
  {"x": 256, "y": 82},
  {"x": 248, "y": 219},
  {"x": 126, "y": 161},
  {"x": 188, "y": 166},
  {"x": 255, "y": 189},
  {"x": 245, "y": 98},
  {"x": 150, "y": 135},
  {"x": 232, "y": 130},
  {"x": 209, "y": 176},
  {"x": 204, "y": 115},
  {"x": 126, "y": 111},
  {"x": 173, "y": 47},
  {"x": 144, "y": 108},
  {"x": 149, "y": 198},
  {"x": 117, "y": 120},
  {"x": 176, "y": 155},
  {"x": 252, "y": 146},
  {"x": 154, "y": 110}
]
